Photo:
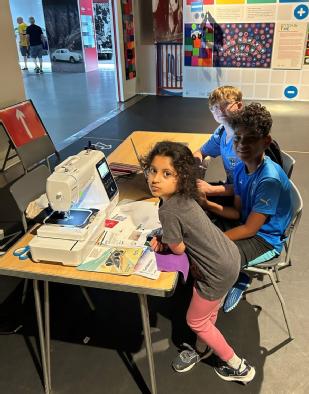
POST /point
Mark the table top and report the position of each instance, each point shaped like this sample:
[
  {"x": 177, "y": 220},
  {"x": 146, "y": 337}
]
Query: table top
[
  {"x": 145, "y": 140},
  {"x": 163, "y": 286}
]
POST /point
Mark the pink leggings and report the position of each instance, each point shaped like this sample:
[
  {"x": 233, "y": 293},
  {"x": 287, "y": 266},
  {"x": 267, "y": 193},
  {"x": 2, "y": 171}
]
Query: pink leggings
[{"x": 201, "y": 318}]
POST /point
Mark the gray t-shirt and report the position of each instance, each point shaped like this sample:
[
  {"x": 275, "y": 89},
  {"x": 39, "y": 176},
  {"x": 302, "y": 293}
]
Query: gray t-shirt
[{"x": 214, "y": 258}]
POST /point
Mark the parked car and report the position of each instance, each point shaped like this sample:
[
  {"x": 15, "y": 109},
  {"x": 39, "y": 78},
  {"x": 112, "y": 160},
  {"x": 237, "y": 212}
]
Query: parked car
[{"x": 66, "y": 55}]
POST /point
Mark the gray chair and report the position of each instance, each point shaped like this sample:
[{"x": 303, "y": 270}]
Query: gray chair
[
  {"x": 288, "y": 163},
  {"x": 271, "y": 267},
  {"x": 26, "y": 189}
]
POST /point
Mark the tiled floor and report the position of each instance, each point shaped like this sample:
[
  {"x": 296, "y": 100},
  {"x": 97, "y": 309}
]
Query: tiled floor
[{"x": 113, "y": 361}]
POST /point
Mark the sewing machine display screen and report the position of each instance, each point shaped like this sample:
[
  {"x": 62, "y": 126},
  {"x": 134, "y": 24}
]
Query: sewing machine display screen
[{"x": 107, "y": 178}]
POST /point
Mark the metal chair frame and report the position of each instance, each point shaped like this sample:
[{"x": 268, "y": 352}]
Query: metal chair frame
[{"x": 271, "y": 267}]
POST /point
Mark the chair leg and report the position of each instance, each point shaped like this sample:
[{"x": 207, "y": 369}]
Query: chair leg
[
  {"x": 283, "y": 306},
  {"x": 276, "y": 273},
  {"x": 25, "y": 288},
  {"x": 88, "y": 299}
]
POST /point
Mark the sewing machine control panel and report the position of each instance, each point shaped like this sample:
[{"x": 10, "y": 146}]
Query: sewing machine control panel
[{"x": 107, "y": 178}]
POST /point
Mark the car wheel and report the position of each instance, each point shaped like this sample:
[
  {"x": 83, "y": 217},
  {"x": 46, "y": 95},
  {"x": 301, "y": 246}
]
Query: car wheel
[
  {"x": 72, "y": 60},
  {"x": 54, "y": 59}
]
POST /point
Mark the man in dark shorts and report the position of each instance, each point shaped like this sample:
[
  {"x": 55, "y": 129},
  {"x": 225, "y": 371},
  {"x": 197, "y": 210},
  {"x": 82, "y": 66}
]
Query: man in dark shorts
[
  {"x": 23, "y": 40},
  {"x": 35, "y": 37}
]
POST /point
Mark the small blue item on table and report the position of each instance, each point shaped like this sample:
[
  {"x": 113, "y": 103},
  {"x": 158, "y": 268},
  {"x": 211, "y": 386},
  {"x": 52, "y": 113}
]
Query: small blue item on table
[{"x": 22, "y": 253}]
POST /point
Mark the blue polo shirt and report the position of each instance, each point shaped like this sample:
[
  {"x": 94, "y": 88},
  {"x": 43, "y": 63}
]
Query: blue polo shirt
[
  {"x": 266, "y": 191},
  {"x": 217, "y": 146}
]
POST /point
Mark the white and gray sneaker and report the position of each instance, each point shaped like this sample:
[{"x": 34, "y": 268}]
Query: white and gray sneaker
[
  {"x": 244, "y": 374},
  {"x": 189, "y": 357}
]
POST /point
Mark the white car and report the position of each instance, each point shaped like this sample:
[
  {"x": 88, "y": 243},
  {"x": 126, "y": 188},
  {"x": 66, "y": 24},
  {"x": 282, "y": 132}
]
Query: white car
[{"x": 66, "y": 55}]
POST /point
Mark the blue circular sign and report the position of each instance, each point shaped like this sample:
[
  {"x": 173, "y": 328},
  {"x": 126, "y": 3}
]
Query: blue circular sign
[
  {"x": 301, "y": 11},
  {"x": 290, "y": 92}
]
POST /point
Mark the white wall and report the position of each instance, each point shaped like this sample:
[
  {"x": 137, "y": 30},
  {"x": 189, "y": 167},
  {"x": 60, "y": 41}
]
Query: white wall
[
  {"x": 11, "y": 82},
  {"x": 146, "y": 56},
  {"x": 127, "y": 88}
]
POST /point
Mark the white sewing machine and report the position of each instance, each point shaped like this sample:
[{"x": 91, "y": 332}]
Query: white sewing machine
[{"x": 82, "y": 192}]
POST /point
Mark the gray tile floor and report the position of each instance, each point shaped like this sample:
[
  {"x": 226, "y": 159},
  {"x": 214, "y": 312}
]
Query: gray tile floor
[
  {"x": 68, "y": 103},
  {"x": 113, "y": 360}
]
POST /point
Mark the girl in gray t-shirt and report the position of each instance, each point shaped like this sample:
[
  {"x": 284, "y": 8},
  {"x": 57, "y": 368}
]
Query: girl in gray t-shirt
[{"x": 214, "y": 259}]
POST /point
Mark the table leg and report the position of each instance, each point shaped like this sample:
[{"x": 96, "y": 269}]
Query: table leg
[
  {"x": 47, "y": 329},
  {"x": 41, "y": 334},
  {"x": 147, "y": 335}
]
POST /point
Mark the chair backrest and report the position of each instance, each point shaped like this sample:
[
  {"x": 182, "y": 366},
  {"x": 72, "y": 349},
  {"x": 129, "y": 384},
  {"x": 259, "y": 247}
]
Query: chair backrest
[
  {"x": 287, "y": 163},
  {"x": 297, "y": 208},
  {"x": 29, "y": 187}
]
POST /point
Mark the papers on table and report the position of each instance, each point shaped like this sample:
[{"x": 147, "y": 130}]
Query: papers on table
[{"x": 122, "y": 248}]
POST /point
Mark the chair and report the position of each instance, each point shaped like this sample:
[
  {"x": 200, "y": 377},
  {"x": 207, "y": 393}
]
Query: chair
[
  {"x": 271, "y": 267},
  {"x": 26, "y": 189},
  {"x": 287, "y": 163}
]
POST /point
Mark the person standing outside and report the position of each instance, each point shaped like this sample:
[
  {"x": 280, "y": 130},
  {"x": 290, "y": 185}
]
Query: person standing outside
[
  {"x": 23, "y": 40},
  {"x": 36, "y": 38}
]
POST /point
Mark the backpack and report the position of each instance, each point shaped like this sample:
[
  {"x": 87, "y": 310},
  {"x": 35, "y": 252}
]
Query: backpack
[{"x": 273, "y": 151}]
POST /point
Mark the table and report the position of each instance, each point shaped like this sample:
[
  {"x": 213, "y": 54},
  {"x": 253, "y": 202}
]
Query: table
[{"x": 47, "y": 272}]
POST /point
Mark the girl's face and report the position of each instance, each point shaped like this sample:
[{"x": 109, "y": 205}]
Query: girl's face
[{"x": 162, "y": 177}]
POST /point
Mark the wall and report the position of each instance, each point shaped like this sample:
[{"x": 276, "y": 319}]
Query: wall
[
  {"x": 127, "y": 87},
  {"x": 11, "y": 82},
  {"x": 284, "y": 51},
  {"x": 145, "y": 48}
]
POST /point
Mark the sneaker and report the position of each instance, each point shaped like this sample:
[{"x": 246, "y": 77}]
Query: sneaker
[
  {"x": 244, "y": 374},
  {"x": 25, "y": 68},
  {"x": 41, "y": 71},
  {"x": 37, "y": 70},
  {"x": 188, "y": 358},
  {"x": 235, "y": 293}
]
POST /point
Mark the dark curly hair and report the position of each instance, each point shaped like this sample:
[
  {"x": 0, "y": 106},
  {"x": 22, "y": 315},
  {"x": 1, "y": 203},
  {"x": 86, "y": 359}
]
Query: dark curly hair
[
  {"x": 253, "y": 119},
  {"x": 182, "y": 160}
]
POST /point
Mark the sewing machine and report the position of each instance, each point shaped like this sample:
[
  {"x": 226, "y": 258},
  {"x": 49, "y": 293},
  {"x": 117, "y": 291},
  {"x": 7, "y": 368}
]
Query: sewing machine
[{"x": 81, "y": 192}]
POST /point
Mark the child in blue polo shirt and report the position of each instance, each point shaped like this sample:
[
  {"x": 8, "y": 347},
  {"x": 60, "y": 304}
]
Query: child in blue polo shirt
[
  {"x": 223, "y": 102},
  {"x": 262, "y": 197}
]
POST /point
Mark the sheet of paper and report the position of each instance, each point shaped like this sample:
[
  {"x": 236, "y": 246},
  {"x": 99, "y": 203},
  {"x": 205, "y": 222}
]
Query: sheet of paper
[
  {"x": 289, "y": 45},
  {"x": 147, "y": 265},
  {"x": 130, "y": 224},
  {"x": 120, "y": 261}
]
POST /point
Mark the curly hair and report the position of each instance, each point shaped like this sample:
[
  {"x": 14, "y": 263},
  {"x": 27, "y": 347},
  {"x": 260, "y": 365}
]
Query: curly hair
[
  {"x": 182, "y": 160},
  {"x": 224, "y": 95},
  {"x": 253, "y": 119}
]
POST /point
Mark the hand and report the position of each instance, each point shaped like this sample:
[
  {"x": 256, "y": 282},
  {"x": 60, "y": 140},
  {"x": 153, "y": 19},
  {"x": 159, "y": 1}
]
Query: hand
[
  {"x": 157, "y": 246},
  {"x": 203, "y": 186}
]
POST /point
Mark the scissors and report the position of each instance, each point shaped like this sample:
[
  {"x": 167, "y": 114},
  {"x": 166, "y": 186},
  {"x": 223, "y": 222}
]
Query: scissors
[{"x": 22, "y": 253}]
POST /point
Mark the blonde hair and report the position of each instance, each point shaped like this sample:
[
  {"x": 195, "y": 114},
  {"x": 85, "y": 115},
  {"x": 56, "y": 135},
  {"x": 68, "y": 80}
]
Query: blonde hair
[{"x": 224, "y": 95}]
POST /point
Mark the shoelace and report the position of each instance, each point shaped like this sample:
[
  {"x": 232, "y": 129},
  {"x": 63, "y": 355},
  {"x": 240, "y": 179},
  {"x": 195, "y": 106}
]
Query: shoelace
[{"x": 186, "y": 355}]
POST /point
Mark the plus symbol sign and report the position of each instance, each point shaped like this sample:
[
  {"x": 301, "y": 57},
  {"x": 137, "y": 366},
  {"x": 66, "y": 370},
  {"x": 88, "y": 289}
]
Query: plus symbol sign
[{"x": 301, "y": 11}]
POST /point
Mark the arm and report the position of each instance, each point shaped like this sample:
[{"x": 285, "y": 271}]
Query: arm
[
  {"x": 198, "y": 154},
  {"x": 254, "y": 222},
  {"x": 177, "y": 248},
  {"x": 232, "y": 213},
  {"x": 215, "y": 190}
]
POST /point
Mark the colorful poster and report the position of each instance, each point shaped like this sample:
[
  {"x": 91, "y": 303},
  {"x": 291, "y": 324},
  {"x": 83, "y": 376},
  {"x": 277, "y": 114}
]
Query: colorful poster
[
  {"x": 289, "y": 46},
  {"x": 205, "y": 2},
  {"x": 167, "y": 20},
  {"x": 261, "y": 1},
  {"x": 199, "y": 39},
  {"x": 230, "y": 1},
  {"x": 128, "y": 38},
  {"x": 247, "y": 45},
  {"x": 306, "y": 58},
  {"x": 64, "y": 35}
]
